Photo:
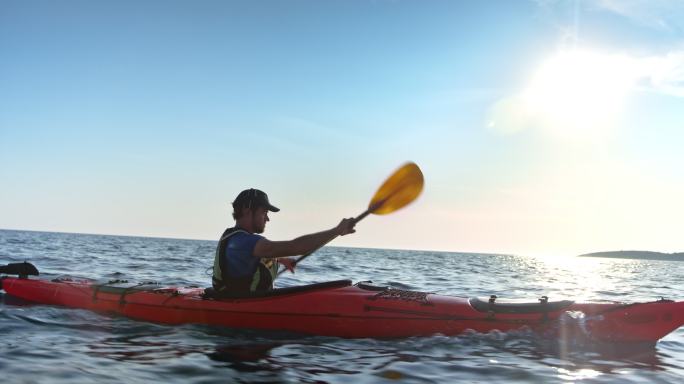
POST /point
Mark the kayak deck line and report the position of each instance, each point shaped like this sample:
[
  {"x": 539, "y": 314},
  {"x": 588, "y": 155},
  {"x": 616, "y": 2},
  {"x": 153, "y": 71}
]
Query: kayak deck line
[
  {"x": 491, "y": 317},
  {"x": 341, "y": 309},
  {"x": 662, "y": 300}
]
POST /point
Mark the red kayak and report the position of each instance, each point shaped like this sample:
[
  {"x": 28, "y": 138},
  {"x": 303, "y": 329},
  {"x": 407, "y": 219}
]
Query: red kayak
[{"x": 338, "y": 308}]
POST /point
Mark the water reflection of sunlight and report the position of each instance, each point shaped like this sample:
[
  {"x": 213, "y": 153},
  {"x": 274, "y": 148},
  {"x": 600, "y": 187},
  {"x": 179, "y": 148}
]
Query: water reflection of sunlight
[
  {"x": 577, "y": 278},
  {"x": 580, "y": 374}
]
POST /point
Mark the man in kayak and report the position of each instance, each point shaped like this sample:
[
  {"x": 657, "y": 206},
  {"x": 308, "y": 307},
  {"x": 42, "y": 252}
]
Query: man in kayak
[{"x": 245, "y": 260}]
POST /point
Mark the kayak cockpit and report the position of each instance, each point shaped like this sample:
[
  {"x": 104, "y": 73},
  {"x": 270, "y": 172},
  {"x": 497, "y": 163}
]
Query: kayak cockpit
[{"x": 211, "y": 294}]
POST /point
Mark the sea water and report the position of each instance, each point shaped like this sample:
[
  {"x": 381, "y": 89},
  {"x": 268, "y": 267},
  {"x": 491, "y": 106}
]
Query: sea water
[{"x": 46, "y": 344}]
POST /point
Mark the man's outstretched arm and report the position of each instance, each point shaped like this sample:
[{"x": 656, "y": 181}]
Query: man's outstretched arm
[{"x": 302, "y": 245}]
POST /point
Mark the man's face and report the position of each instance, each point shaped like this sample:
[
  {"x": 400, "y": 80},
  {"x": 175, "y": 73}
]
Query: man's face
[{"x": 259, "y": 219}]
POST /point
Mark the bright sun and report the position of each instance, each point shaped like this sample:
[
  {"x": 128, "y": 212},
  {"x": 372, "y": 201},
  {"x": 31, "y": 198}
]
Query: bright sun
[{"x": 579, "y": 94}]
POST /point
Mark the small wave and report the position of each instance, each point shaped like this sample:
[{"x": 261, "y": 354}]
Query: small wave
[
  {"x": 398, "y": 285},
  {"x": 66, "y": 318},
  {"x": 16, "y": 241}
]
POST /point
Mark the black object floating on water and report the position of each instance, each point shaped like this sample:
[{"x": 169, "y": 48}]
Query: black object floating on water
[{"x": 22, "y": 269}]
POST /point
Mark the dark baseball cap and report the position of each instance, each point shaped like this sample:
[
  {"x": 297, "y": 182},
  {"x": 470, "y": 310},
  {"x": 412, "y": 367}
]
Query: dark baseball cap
[{"x": 253, "y": 198}]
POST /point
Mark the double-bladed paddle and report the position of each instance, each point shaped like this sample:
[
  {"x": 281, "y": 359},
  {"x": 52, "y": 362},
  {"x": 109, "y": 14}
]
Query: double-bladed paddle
[{"x": 400, "y": 189}]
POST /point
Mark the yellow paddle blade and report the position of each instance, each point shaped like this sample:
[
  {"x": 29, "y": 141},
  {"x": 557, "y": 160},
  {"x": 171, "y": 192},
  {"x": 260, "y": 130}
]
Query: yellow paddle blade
[{"x": 400, "y": 189}]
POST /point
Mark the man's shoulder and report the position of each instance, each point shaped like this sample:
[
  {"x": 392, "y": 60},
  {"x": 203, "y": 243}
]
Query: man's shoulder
[
  {"x": 243, "y": 236},
  {"x": 235, "y": 231}
]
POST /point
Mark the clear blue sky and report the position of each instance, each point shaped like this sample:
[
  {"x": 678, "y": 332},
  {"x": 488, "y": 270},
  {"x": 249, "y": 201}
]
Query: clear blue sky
[{"x": 546, "y": 127}]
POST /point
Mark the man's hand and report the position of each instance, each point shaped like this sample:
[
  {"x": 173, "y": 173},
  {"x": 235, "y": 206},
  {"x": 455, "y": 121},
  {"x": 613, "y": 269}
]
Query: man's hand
[
  {"x": 345, "y": 227},
  {"x": 288, "y": 262}
]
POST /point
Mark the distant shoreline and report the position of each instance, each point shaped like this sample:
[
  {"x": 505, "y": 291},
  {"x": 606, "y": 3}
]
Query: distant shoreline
[{"x": 642, "y": 255}]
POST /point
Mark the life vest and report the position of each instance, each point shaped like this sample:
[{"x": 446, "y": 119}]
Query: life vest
[{"x": 260, "y": 280}]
